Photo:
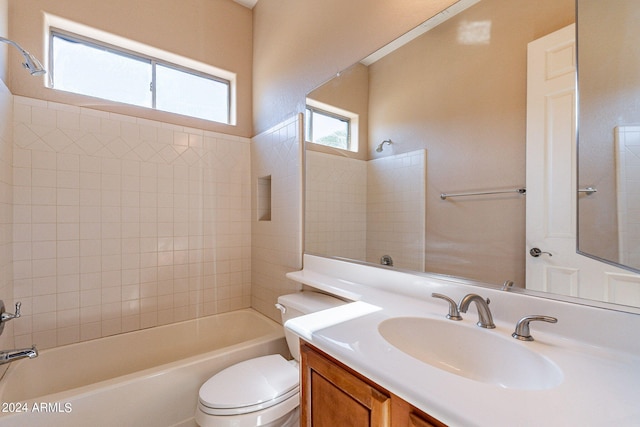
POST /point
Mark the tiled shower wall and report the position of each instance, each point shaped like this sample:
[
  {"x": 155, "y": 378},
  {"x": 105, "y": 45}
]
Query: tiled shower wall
[
  {"x": 123, "y": 223},
  {"x": 627, "y": 180},
  {"x": 336, "y": 205},
  {"x": 396, "y": 205},
  {"x": 6, "y": 213},
  {"x": 276, "y": 159},
  {"x": 366, "y": 209}
]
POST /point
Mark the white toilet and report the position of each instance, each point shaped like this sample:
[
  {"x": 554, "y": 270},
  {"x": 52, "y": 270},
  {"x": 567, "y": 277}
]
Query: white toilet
[{"x": 263, "y": 391}]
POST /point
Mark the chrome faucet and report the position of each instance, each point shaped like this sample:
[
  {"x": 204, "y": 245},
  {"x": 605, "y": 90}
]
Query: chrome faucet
[
  {"x": 7, "y": 356},
  {"x": 485, "y": 320}
]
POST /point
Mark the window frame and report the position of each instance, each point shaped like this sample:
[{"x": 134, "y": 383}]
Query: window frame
[
  {"x": 315, "y": 110},
  {"x": 153, "y": 61}
]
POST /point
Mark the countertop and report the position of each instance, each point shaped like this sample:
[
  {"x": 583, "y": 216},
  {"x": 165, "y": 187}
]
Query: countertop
[{"x": 599, "y": 384}]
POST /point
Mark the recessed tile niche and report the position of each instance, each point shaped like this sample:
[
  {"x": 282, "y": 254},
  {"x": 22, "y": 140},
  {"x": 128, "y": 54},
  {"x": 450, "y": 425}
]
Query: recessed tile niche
[{"x": 264, "y": 198}]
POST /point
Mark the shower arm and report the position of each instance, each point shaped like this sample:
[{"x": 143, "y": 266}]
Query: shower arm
[{"x": 31, "y": 63}]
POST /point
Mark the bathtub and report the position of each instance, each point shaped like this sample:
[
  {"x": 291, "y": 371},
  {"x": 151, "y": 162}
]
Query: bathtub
[{"x": 143, "y": 378}]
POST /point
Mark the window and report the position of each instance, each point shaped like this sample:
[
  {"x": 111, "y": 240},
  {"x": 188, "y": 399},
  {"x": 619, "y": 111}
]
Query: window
[
  {"x": 89, "y": 67},
  {"x": 323, "y": 127}
]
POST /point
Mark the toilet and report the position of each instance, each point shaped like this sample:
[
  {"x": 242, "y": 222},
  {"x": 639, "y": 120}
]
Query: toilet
[{"x": 264, "y": 391}]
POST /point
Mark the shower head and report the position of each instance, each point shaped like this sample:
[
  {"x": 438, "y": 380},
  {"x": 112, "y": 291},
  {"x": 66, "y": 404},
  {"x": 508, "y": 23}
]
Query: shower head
[
  {"x": 31, "y": 63},
  {"x": 380, "y": 147}
]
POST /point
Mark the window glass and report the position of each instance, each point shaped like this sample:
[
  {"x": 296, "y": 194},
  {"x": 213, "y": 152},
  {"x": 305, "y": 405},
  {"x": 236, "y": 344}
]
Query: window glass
[
  {"x": 90, "y": 67},
  {"x": 94, "y": 71},
  {"x": 186, "y": 93},
  {"x": 327, "y": 129}
]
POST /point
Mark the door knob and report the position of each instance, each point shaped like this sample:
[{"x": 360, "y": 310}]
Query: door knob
[{"x": 536, "y": 252}]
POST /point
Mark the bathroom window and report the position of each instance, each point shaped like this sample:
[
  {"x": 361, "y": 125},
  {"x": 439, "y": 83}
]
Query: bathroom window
[
  {"x": 326, "y": 128},
  {"x": 90, "y": 67}
]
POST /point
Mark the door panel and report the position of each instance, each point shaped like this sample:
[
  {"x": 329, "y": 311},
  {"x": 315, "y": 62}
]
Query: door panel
[{"x": 551, "y": 182}]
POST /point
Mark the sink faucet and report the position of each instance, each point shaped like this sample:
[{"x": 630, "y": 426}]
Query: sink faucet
[
  {"x": 7, "y": 356},
  {"x": 485, "y": 320}
]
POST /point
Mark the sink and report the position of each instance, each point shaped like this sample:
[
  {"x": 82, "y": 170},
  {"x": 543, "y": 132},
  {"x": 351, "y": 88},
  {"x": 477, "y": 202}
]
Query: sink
[{"x": 470, "y": 352}]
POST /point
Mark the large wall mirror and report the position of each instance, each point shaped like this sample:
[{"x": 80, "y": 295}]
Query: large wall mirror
[
  {"x": 432, "y": 174},
  {"x": 609, "y": 130}
]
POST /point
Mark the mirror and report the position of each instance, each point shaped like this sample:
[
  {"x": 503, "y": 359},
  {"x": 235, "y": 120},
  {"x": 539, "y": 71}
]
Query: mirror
[
  {"x": 417, "y": 108},
  {"x": 609, "y": 131}
]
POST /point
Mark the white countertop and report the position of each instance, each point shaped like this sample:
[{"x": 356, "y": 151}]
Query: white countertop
[{"x": 600, "y": 373}]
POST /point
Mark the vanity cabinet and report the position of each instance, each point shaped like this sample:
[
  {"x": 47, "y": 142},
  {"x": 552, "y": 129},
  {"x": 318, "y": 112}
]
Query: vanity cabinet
[{"x": 335, "y": 395}]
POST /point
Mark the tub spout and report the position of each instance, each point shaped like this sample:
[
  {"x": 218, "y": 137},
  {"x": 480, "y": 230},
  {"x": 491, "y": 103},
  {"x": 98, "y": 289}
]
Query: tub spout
[{"x": 7, "y": 356}]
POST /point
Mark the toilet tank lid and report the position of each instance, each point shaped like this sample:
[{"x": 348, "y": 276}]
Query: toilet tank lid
[{"x": 309, "y": 302}]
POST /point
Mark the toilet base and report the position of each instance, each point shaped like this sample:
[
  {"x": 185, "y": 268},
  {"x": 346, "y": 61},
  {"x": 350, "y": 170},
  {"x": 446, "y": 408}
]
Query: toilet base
[
  {"x": 263, "y": 418},
  {"x": 292, "y": 419}
]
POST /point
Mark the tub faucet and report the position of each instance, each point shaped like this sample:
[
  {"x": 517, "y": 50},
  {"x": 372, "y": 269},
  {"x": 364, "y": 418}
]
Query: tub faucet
[
  {"x": 485, "y": 320},
  {"x": 7, "y": 356}
]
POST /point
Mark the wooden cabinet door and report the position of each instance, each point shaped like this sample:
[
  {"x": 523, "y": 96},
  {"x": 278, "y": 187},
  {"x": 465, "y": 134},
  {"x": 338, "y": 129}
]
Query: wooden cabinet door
[
  {"x": 405, "y": 415},
  {"x": 417, "y": 421},
  {"x": 333, "y": 396}
]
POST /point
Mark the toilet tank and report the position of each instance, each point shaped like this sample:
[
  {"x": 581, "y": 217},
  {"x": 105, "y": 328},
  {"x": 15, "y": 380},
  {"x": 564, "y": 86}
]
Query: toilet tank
[{"x": 299, "y": 304}]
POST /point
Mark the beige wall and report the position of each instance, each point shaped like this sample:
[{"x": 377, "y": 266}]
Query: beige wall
[
  {"x": 300, "y": 44},
  {"x": 215, "y": 32},
  {"x": 464, "y": 102}
]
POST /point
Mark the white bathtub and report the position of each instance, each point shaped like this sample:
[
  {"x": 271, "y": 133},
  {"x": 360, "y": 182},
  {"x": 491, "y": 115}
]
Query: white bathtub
[{"x": 142, "y": 378}]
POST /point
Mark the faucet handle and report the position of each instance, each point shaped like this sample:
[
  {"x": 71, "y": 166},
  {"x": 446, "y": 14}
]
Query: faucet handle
[
  {"x": 508, "y": 284},
  {"x": 454, "y": 314},
  {"x": 522, "y": 331},
  {"x": 8, "y": 316}
]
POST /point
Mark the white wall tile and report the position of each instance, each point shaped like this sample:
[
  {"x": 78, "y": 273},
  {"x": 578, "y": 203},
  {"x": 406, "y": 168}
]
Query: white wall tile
[
  {"x": 109, "y": 208},
  {"x": 277, "y": 243}
]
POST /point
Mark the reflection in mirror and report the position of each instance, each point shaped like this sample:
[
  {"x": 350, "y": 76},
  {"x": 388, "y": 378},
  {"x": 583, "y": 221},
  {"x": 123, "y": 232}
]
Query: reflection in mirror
[
  {"x": 609, "y": 131},
  {"x": 456, "y": 97},
  {"x": 365, "y": 210}
]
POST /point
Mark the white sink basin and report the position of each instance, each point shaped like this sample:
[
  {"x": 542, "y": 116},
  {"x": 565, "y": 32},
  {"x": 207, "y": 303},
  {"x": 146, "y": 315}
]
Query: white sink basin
[{"x": 471, "y": 352}]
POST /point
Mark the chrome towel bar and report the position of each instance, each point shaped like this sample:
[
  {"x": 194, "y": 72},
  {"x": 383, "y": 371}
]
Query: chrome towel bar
[
  {"x": 444, "y": 196},
  {"x": 588, "y": 191}
]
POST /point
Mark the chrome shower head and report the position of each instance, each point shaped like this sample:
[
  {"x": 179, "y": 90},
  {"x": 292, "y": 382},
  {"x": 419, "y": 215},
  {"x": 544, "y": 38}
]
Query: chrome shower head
[
  {"x": 31, "y": 63},
  {"x": 380, "y": 147}
]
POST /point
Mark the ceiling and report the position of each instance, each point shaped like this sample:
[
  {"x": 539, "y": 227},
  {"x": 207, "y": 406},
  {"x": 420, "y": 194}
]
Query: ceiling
[{"x": 247, "y": 3}]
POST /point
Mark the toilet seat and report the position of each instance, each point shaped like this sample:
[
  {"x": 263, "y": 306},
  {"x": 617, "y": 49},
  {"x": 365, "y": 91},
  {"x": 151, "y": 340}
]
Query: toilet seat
[{"x": 250, "y": 386}]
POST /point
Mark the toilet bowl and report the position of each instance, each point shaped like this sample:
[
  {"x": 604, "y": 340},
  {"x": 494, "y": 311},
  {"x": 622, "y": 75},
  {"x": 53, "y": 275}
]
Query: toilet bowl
[{"x": 264, "y": 391}]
